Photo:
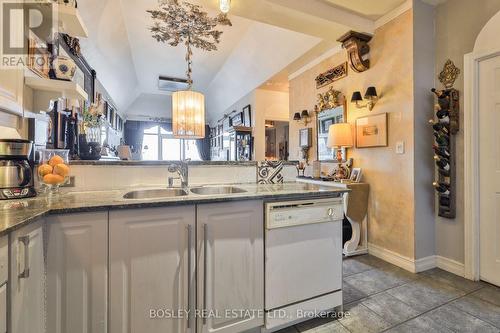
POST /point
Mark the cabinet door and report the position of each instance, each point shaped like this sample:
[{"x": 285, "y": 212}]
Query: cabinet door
[
  {"x": 11, "y": 90},
  {"x": 27, "y": 280},
  {"x": 231, "y": 266},
  {"x": 3, "y": 308},
  {"x": 151, "y": 258},
  {"x": 77, "y": 273}
]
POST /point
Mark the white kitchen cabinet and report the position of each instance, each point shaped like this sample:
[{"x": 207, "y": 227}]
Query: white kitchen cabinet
[
  {"x": 77, "y": 251},
  {"x": 151, "y": 258},
  {"x": 27, "y": 279},
  {"x": 3, "y": 308},
  {"x": 230, "y": 266},
  {"x": 11, "y": 90},
  {"x": 4, "y": 275}
]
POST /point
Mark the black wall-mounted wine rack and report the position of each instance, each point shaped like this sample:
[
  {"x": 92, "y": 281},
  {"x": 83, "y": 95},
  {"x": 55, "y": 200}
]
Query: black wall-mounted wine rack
[{"x": 446, "y": 126}]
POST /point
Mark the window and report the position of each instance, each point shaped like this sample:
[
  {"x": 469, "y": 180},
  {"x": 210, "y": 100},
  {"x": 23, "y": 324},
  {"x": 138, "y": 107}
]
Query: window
[{"x": 160, "y": 145}]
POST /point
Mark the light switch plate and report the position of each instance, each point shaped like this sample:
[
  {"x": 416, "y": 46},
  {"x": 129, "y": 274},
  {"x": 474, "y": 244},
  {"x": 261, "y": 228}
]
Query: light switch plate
[{"x": 400, "y": 147}]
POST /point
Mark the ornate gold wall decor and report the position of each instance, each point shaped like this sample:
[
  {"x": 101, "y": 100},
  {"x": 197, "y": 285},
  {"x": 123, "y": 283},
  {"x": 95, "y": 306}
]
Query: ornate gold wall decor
[
  {"x": 357, "y": 47},
  {"x": 449, "y": 74},
  {"x": 329, "y": 100},
  {"x": 334, "y": 74}
]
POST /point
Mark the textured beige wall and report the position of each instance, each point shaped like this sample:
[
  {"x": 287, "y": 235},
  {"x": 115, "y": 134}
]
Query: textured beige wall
[
  {"x": 391, "y": 210},
  {"x": 458, "y": 22}
]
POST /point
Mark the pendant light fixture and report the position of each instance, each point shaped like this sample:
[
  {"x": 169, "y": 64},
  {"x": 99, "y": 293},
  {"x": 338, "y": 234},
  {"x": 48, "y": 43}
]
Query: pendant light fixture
[
  {"x": 225, "y": 6},
  {"x": 178, "y": 22}
]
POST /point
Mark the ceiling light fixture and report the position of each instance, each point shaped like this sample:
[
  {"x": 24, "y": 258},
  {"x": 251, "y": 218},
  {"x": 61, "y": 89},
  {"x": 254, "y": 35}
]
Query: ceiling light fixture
[
  {"x": 225, "y": 6},
  {"x": 177, "y": 22}
]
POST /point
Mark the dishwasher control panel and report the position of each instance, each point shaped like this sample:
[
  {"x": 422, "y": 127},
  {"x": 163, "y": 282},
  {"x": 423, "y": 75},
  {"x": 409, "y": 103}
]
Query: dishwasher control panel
[{"x": 294, "y": 213}]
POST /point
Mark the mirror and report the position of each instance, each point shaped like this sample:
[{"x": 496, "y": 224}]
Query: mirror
[{"x": 326, "y": 118}]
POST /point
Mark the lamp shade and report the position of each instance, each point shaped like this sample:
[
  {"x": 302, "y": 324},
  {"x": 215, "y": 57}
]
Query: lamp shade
[
  {"x": 340, "y": 135},
  {"x": 305, "y": 114},
  {"x": 371, "y": 92},
  {"x": 296, "y": 116},
  {"x": 356, "y": 96},
  {"x": 188, "y": 114}
]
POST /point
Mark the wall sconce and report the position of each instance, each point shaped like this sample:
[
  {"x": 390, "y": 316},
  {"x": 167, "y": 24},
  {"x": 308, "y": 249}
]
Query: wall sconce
[
  {"x": 304, "y": 117},
  {"x": 370, "y": 95}
]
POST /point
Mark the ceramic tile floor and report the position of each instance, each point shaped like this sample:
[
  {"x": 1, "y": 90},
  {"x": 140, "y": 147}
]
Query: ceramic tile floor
[{"x": 381, "y": 297}]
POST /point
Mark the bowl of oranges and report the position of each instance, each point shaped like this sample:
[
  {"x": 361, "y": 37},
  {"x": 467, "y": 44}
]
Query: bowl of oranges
[{"x": 54, "y": 169}]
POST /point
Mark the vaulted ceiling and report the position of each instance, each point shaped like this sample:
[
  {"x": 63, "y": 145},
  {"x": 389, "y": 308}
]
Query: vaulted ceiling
[{"x": 266, "y": 37}]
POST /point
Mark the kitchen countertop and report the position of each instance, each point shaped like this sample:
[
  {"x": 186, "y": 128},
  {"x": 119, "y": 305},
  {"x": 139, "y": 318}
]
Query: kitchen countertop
[
  {"x": 17, "y": 213},
  {"x": 157, "y": 163}
]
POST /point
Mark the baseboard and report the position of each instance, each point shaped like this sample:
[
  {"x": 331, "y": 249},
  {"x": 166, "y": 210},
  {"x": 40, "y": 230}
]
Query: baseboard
[
  {"x": 419, "y": 265},
  {"x": 424, "y": 264},
  {"x": 392, "y": 257},
  {"x": 450, "y": 265}
]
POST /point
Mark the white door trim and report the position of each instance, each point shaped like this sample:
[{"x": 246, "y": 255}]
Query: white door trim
[{"x": 471, "y": 161}]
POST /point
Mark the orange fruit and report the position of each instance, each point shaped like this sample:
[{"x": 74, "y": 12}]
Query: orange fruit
[
  {"x": 52, "y": 179},
  {"x": 55, "y": 160},
  {"x": 61, "y": 170},
  {"x": 44, "y": 169}
]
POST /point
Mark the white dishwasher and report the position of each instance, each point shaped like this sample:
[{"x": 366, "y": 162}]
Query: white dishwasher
[{"x": 303, "y": 259}]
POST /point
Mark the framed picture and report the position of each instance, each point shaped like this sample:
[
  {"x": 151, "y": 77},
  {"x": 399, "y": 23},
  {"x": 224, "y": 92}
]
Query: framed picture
[
  {"x": 305, "y": 137},
  {"x": 38, "y": 57},
  {"x": 372, "y": 131},
  {"x": 237, "y": 119},
  {"x": 247, "y": 116},
  {"x": 356, "y": 175}
]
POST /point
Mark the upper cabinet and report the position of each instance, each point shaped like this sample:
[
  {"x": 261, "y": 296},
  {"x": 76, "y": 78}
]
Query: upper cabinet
[{"x": 11, "y": 91}]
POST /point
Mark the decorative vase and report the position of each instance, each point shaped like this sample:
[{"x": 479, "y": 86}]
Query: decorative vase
[{"x": 63, "y": 68}]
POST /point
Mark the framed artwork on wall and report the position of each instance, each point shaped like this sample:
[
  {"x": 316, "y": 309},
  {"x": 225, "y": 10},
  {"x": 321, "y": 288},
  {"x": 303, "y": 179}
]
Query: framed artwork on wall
[
  {"x": 372, "y": 131},
  {"x": 305, "y": 137},
  {"x": 247, "y": 116}
]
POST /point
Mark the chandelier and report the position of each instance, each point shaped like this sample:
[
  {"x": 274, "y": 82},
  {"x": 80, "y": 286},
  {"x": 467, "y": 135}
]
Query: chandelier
[{"x": 179, "y": 22}]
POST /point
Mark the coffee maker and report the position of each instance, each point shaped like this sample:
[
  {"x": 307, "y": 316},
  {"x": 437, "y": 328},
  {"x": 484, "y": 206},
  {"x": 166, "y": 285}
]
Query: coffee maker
[{"x": 16, "y": 172}]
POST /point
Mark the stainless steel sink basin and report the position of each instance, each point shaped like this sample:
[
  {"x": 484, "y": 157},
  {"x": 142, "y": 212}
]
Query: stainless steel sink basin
[
  {"x": 156, "y": 193},
  {"x": 212, "y": 190}
]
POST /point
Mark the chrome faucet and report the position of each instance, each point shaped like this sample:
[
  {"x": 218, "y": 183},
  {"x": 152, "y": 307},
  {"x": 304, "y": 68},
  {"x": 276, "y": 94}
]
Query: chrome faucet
[{"x": 182, "y": 171}]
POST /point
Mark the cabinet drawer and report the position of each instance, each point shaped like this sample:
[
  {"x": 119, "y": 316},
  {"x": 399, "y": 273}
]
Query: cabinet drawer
[{"x": 4, "y": 260}]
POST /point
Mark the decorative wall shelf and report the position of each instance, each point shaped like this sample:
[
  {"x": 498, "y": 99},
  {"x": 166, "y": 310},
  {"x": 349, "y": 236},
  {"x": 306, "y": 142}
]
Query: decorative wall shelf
[
  {"x": 70, "y": 21},
  {"x": 66, "y": 89}
]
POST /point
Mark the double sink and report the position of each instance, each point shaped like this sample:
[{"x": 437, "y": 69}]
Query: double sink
[{"x": 178, "y": 192}]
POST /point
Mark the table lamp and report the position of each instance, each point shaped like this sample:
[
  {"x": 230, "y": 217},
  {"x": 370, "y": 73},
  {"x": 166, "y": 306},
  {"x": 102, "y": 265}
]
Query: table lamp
[{"x": 340, "y": 136}]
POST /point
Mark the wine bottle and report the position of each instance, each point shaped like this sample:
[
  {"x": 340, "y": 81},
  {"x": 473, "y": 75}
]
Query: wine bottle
[
  {"x": 442, "y": 139},
  {"x": 444, "y": 201},
  {"x": 442, "y": 163},
  {"x": 442, "y": 188},
  {"x": 441, "y": 151},
  {"x": 440, "y": 127},
  {"x": 441, "y": 93},
  {"x": 441, "y": 114}
]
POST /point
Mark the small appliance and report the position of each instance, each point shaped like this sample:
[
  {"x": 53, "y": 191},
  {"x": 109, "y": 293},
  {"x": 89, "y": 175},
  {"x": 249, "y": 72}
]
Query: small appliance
[{"x": 16, "y": 172}]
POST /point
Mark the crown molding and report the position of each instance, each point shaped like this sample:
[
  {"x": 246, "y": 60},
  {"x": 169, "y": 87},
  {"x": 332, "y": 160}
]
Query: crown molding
[
  {"x": 401, "y": 9},
  {"x": 316, "y": 61}
]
